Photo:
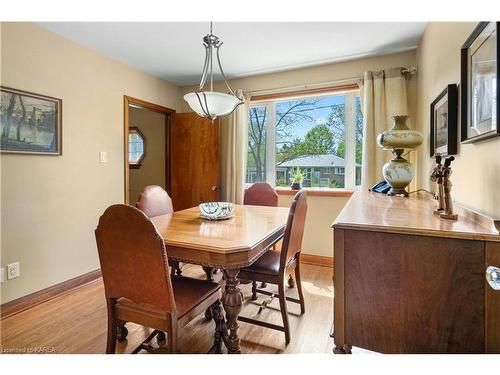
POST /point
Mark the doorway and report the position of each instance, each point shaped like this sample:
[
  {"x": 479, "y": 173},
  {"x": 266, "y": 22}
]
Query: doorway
[{"x": 146, "y": 146}]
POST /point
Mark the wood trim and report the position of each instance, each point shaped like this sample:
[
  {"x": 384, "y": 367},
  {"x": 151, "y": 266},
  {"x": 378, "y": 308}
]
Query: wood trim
[
  {"x": 316, "y": 260},
  {"x": 306, "y": 92},
  {"x": 317, "y": 192},
  {"x": 130, "y": 101},
  {"x": 31, "y": 300}
]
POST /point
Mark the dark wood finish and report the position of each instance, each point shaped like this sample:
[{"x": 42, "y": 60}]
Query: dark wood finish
[
  {"x": 129, "y": 101},
  {"x": 452, "y": 92},
  {"x": 492, "y": 302},
  {"x": 274, "y": 268},
  {"x": 137, "y": 281},
  {"x": 58, "y": 116},
  {"x": 195, "y": 160},
  {"x": 137, "y": 164},
  {"x": 401, "y": 287},
  {"x": 414, "y": 283},
  {"x": 307, "y": 92},
  {"x": 227, "y": 245},
  {"x": 31, "y": 300},
  {"x": 464, "y": 86}
]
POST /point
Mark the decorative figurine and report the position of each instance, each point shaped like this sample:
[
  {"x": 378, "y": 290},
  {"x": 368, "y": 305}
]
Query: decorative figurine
[
  {"x": 437, "y": 177},
  {"x": 441, "y": 175},
  {"x": 448, "y": 204}
]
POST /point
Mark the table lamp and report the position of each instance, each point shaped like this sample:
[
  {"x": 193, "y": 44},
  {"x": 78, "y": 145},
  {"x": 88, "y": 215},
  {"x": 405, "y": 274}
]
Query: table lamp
[{"x": 399, "y": 172}]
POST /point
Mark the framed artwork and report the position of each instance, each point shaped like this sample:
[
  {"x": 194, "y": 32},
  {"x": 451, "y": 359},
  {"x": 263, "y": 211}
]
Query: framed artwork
[
  {"x": 479, "y": 84},
  {"x": 444, "y": 122},
  {"x": 29, "y": 123}
]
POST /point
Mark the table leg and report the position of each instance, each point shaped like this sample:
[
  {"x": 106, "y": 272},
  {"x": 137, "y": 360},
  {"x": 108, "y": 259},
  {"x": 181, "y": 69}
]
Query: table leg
[{"x": 232, "y": 300}]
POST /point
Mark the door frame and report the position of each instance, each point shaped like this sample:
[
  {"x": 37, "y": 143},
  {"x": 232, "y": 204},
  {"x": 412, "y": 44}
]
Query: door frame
[{"x": 129, "y": 101}]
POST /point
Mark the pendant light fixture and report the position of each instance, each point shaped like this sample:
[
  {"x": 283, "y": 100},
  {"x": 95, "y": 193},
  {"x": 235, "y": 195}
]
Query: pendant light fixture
[{"x": 212, "y": 104}]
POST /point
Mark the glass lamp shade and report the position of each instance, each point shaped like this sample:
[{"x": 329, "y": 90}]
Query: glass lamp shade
[{"x": 212, "y": 104}]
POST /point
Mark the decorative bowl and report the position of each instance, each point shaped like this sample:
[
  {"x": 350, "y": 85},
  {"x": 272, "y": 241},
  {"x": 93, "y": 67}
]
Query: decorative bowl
[{"x": 216, "y": 210}]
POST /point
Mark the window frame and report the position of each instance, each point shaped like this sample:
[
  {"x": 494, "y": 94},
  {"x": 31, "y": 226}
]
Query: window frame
[
  {"x": 269, "y": 101},
  {"x": 136, "y": 164}
]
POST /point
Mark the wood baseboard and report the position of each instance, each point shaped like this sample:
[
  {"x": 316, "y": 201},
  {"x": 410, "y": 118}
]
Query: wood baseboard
[
  {"x": 316, "y": 260},
  {"x": 21, "y": 304}
]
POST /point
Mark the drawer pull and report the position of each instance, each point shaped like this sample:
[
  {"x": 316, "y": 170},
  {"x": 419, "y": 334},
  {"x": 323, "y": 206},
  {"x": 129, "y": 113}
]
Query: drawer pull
[{"x": 493, "y": 277}]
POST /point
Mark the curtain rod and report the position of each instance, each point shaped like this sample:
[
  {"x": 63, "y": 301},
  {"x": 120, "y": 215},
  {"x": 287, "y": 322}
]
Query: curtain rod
[{"x": 409, "y": 70}]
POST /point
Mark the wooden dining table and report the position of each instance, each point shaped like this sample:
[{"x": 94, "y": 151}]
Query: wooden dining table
[{"x": 228, "y": 245}]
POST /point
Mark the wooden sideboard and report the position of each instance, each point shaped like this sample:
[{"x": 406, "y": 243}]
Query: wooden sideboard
[{"x": 407, "y": 281}]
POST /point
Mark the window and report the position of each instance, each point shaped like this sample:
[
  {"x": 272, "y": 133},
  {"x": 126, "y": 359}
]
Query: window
[
  {"x": 136, "y": 147},
  {"x": 321, "y": 135}
]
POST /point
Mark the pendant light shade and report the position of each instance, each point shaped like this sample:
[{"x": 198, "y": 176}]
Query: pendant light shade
[{"x": 212, "y": 104}]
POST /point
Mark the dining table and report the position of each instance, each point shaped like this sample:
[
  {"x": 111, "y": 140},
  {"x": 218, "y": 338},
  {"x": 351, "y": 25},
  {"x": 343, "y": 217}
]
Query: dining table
[{"x": 227, "y": 245}]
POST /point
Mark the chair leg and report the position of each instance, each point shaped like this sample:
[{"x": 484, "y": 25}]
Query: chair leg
[
  {"x": 254, "y": 290},
  {"x": 291, "y": 281},
  {"x": 284, "y": 311},
  {"x": 172, "y": 340},
  {"x": 299, "y": 289},
  {"x": 112, "y": 328}
]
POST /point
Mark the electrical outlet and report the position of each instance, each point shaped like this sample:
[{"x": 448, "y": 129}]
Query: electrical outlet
[
  {"x": 13, "y": 270},
  {"x": 2, "y": 275}
]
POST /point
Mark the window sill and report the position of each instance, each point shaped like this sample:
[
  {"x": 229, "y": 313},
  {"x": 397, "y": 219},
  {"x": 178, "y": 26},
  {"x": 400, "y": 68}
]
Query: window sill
[{"x": 317, "y": 192}]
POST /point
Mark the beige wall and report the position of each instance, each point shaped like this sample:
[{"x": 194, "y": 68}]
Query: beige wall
[
  {"x": 50, "y": 205},
  {"x": 152, "y": 170},
  {"x": 322, "y": 211},
  {"x": 476, "y": 171}
]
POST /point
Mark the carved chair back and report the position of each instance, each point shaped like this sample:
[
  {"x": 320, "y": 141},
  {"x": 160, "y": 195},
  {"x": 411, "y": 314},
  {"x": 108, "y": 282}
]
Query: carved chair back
[
  {"x": 154, "y": 201},
  {"x": 133, "y": 258},
  {"x": 260, "y": 194},
  {"x": 294, "y": 231}
]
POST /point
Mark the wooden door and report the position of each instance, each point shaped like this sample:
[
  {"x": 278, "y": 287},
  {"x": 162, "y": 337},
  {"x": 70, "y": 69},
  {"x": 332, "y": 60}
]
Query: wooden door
[
  {"x": 492, "y": 302},
  {"x": 195, "y": 160}
]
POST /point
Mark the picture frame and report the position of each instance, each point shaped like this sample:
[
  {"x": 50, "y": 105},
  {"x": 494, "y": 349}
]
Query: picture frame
[
  {"x": 479, "y": 85},
  {"x": 30, "y": 123},
  {"x": 444, "y": 122}
]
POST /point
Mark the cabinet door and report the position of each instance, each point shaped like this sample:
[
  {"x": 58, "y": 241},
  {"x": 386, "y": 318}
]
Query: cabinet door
[
  {"x": 195, "y": 160},
  {"x": 492, "y": 298}
]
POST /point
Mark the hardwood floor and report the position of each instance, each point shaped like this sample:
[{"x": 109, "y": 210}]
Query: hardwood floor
[{"x": 52, "y": 327}]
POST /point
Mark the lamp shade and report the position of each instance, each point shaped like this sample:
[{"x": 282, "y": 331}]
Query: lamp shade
[{"x": 212, "y": 104}]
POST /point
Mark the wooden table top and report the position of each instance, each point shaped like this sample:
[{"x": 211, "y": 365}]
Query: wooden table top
[
  {"x": 414, "y": 215},
  {"x": 250, "y": 227}
]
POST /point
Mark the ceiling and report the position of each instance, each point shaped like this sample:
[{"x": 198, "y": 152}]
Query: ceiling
[{"x": 173, "y": 50}]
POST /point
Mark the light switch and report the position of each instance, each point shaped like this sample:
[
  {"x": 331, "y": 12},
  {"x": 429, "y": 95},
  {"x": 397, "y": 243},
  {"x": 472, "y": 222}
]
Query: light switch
[
  {"x": 103, "y": 157},
  {"x": 2, "y": 275}
]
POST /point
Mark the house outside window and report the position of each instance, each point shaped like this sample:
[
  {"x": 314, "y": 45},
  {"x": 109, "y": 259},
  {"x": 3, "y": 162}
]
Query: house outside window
[{"x": 321, "y": 135}]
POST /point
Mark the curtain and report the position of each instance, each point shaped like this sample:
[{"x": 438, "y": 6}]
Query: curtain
[
  {"x": 234, "y": 148},
  {"x": 383, "y": 95}
]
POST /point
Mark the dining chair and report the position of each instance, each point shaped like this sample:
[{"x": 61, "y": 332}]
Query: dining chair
[
  {"x": 155, "y": 201},
  {"x": 262, "y": 194},
  {"x": 273, "y": 267},
  {"x": 137, "y": 282}
]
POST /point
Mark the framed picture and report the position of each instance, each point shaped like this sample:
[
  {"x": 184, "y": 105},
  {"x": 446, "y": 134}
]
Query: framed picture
[
  {"x": 444, "y": 123},
  {"x": 29, "y": 123},
  {"x": 479, "y": 84}
]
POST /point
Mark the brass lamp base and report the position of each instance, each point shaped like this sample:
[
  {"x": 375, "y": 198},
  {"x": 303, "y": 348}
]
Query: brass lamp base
[{"x": 397, "y": 191}]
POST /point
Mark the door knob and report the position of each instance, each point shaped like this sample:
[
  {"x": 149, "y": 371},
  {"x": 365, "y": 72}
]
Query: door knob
[
  {"x": 215, "y": 188},
  {"x": 493, "y": 277}
]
